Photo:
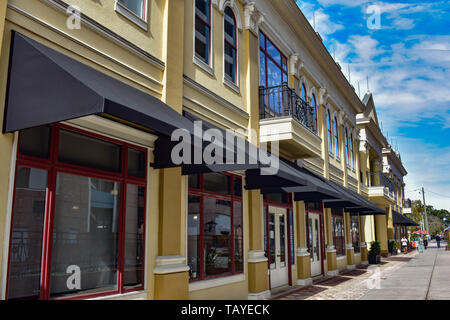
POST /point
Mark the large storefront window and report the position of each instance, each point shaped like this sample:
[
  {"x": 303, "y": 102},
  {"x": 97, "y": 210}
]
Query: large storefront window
[
  {"x": 338, "y": 231},
  {"x": 78, "y": 216},
  {"x": 215, "y": 225},
  {"x": 354, "y": 230}
]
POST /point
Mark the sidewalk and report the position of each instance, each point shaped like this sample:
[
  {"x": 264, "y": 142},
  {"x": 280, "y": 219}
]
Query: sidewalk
[
  {"x": 349, "y": 285},
  {"x": 425, "y": 277}
]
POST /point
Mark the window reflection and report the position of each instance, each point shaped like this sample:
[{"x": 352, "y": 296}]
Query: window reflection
[
  {"x": 85, "y": 234},
  {"x": 217, "y": 236},
  {"x": 26, "y": 236}
]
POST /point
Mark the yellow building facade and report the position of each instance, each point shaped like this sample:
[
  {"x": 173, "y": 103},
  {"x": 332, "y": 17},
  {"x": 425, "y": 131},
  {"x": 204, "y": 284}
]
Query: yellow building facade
[{"x": 90, "y": 210}]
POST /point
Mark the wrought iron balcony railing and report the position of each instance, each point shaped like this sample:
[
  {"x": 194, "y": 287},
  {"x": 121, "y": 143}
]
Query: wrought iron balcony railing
[
  {"x": 282, "y": 101},
  {"x": 378, "y": 179}
]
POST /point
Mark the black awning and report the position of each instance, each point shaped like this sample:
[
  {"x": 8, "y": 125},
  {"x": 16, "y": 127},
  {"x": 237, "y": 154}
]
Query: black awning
[
  {"x": 316, "y": 190},
  {"x": 401, "y": 219},
  {"x": 46, "y": 86},
  {"x": 352, "y": 202},
  {"x": 240, "y": 155},
  {"x": 287, "y": 176}
]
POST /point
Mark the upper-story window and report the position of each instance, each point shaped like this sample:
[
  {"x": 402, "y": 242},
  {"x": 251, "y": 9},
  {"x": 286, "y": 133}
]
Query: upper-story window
[
  {"x": 314, "y": 104},
  {"x": 230, "y": 45},
  {"x": 138, "y": 7},
  {"x": 330, "y": 134},
  {"x": 352, "y": 151},
  {"x": 203, "y": 30},
  {"x": 347, "y": 148},
  {"x": 303, "y": 92},
  {"x": 273, "y": 64},
  {"x": 336, "y": 137}
]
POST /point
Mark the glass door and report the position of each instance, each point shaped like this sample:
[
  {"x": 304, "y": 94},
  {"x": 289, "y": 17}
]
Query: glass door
[{"x": 279, "y": 275}]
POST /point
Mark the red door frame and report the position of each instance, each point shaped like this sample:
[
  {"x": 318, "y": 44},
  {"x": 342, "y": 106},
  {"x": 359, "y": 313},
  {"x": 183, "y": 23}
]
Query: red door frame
[
  {"x": 321, "y": 231},
  {"x": 53, "y": 166},
  {"x": 287, "y": 206}
]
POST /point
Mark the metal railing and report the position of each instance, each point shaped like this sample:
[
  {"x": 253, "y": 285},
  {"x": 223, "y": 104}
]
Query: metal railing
[
  {"x": 282, "y": 101},
  {"x": 378, "y": 179}
]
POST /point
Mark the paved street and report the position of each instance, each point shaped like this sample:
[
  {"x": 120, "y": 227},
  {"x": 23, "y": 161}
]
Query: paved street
[
  {"x": 415, "y": 276},
  {"x": 425, "y": 277}
]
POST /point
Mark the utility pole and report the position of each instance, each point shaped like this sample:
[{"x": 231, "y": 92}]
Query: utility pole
[{"x": 425, "y": 210}]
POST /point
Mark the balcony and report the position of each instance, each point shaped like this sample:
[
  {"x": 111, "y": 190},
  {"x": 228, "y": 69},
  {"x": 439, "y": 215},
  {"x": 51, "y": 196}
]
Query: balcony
[
  {"x": 287, "y": 118},
  {"x": 381, "y": 189}
]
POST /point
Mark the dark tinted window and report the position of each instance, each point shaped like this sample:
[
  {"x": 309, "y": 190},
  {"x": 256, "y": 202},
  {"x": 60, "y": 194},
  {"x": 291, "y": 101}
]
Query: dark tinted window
[
  {"x": 194, "y": 181},
  {"x": 136, "y": 163},
  {"x": 216, "y": 182},
  {"x": 237, "y": 186},
  {"x": 35, "y": 142},
  {"x": 90, "y": 152}
]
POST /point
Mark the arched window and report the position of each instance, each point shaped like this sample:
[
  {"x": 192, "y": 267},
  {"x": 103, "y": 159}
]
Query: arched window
[
  {"x": 336, "y": 137},
  {"x": 203, "y": 30},
  {"x": 330, "y": 134},
  {"x": 347, "y": 148},
  {"x": 314, "y": 104},
  {"x": 352, "y": 150},
  {"x": 303, "y": 93},
  {"x": 230, "y": 45}
]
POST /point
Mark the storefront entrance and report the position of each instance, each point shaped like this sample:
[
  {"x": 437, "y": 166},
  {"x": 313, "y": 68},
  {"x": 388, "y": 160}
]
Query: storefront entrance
[
  {"x": 315, "y": 237},
  {"x": 278, "y": 238},
  {"x": 279, "y": 271}
]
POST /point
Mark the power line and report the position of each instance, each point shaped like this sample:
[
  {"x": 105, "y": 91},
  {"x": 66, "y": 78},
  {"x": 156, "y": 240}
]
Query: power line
[{"x": 441, "y": 195}]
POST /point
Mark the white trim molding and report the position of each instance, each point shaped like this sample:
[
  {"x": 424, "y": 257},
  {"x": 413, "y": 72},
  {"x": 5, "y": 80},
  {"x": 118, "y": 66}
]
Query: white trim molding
[
  {"x": 256, "y": 256},
  {"x": 232, "y": 4},
  {"x": 170, "y": 264},
  {"x": 330, "y": 248},
  {"x": 264, "y": 295},
  {"x": 302, "y": 252}
]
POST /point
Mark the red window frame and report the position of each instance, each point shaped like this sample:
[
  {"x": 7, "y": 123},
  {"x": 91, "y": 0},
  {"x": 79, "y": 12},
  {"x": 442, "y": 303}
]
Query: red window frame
[
  {"x": 288, "y": 205},
  {"x": 53, "y": 166},
  {"x": 330, "y": 133},
  {"x": 202, "y": 193},
  {"x": 347, "y": 147},
  {"x": 316, "y": 116},
  {"x": 352, "y": 219},
  {"x": 352, "y": 151},
  {"x": 208, "y": 25},
  {"x": 279, "y": 64},
  {"x": 336, "y": 138},
  {"x": 334, "y": 216},
  {"x": 233, "y": 46}
]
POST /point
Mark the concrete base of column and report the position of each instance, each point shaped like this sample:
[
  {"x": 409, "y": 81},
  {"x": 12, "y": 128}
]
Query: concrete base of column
[
  {"x": 351, "y": 267},
  {"x": 258, "y": 277},
  {"x": 171, "y": 278},
  {"x": 364, "y": 263},
  {"x": 265, "y": 295},
  {"x": 333, "y": 273},
  {"x": 304, "y": 282}
]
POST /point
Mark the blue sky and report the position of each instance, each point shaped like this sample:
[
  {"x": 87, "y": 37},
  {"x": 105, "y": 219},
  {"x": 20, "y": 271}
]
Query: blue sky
[{"x": 407, "y": 59}]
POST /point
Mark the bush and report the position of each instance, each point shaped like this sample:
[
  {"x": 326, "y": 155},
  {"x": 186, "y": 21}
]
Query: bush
[
  {"x": 392, "y": 246},
  {"x": 375, "y": 248}
]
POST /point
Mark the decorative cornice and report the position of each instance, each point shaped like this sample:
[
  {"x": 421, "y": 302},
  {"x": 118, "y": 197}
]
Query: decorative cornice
[
  {"x": 295, "y": 65},
  {"x": 252, "y": 18}
]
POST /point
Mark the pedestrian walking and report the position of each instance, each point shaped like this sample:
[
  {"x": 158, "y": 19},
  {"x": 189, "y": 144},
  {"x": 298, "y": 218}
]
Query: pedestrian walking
[
  {"x": 425, "y": 242},
  {"x": 404, "y": 242},
  {"x": 438, "y": 240}
]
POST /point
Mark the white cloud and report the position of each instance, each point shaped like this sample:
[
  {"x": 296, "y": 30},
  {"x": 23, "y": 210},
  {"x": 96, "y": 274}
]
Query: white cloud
[{"x": 323, "y": 22}]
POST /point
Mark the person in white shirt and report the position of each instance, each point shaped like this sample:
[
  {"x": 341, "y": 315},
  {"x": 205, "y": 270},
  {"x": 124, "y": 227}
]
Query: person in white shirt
[{"x": 404, "y": 242}]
